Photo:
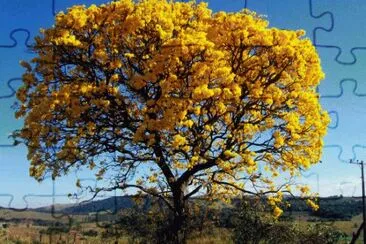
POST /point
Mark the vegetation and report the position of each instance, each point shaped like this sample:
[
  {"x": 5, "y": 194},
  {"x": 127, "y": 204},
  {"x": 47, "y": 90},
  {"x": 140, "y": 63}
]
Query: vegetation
[
  {"x": 331, "y": 208},
  {"x": 254, "y": 227},
  {"x": 245, "y": 221}
]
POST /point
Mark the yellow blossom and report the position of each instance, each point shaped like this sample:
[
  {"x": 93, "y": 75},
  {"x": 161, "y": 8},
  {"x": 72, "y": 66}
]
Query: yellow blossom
[
  {"x": 178, "y": 141},
  {"x": 277, "y": 212},
  {"x": 200, "y": 97}
]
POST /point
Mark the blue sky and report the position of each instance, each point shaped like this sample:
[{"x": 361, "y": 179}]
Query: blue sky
[{"x": 336, "y": 27}]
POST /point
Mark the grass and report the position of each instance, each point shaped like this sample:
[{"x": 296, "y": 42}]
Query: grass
[
  {"x": 7, "y": 214},
  {"x": 27, "y": 232},
  {"x": 30, "y": 234},
  {"x": 17, "y": 234},
  {"x": 218, "y": 235}
]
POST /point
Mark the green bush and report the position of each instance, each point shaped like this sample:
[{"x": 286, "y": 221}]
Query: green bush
[
  {"x": 254, "y": 226},
  {"x": 320, "y": 233},
  {"x": 90, "y": 233}
]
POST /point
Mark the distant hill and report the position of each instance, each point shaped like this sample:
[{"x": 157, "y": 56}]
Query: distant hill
[
  {"x": 111, "y": 204},
  {"x": 336, "y": 207}
]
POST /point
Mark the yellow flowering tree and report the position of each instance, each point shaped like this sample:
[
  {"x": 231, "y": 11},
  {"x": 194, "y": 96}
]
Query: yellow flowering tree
[{"x": 173, "y": 100}]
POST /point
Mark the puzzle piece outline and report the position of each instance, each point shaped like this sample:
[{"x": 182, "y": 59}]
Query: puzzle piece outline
[
  {"x": 338, "y": 48},
  {"x": 15, "y": 41},
  {"x": 54, "y": 213}
]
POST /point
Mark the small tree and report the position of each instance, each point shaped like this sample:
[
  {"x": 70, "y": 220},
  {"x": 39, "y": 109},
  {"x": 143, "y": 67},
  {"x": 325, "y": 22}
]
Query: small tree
[
  {"x": 192, "y": 101},
  {"x": 251, "y": 225}
]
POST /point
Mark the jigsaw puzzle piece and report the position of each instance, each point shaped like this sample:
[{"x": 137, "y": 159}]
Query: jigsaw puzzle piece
[
  {"x": 59, "y": 206},
  {"x": 18, "y": 199},
  {"x": 23, "y": 16},
  {"x": 289, "y": 14},
  {"x": 12, "y": 53},
  {"x": 13, "y": 41},
  {"x": 336, "y": 73},
  {"x": 346, "y": 35},
  {"x": 10, "y": 80},
  {"x": 10, "y": 73},
  {"x": 351, "y": 109},
  {"x": 24, "y": 193},
  {"x": 333, "y": 170},
  {"x": 8, "y": 121},
  {"x": 14, "y": 166}
]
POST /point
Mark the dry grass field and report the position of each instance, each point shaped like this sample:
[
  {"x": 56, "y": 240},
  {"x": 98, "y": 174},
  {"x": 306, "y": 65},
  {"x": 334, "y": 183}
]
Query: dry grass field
[{"x": 34, "y": 227}]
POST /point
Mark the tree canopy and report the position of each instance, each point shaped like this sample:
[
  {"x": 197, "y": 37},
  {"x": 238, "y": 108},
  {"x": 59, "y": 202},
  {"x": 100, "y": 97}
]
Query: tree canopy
[{"x": 171, "y": 99}]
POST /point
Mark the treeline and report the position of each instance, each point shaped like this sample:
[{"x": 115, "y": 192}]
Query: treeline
[
  {"x": 29, "y": 221},
  {"x": 330, "y": 208},
  {"x": 248, "y": 220}
]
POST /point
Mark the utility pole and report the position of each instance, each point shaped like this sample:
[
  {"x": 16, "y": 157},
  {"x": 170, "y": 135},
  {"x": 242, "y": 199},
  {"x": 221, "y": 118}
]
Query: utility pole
[{"x": 363, "y": 198}]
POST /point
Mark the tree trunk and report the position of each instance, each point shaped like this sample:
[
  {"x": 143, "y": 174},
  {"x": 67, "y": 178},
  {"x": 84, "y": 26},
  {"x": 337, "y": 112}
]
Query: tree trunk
[{"x": 177, "y": 231}]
